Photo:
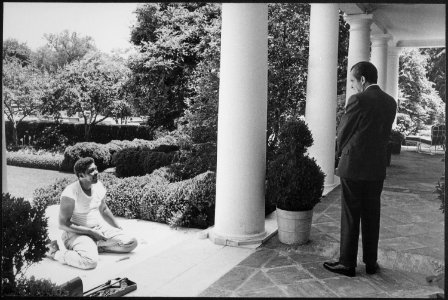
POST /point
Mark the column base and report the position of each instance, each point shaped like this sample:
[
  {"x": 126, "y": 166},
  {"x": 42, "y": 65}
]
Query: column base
[
  {"x": 253, "y": 241},
  {"x": 328, "y": 187}
]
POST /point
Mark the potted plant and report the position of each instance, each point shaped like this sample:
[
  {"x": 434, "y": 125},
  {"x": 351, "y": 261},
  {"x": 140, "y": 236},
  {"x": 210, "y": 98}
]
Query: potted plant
[
  {"x": 294, "y": 183},
  {"x": 395, "y": 141}
]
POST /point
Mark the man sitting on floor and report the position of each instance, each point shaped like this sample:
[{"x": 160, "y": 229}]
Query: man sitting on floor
[{"x": 83, "y": 211}]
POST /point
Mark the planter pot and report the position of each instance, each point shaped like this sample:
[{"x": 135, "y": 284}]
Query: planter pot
[{"x": 294, "y": 227}]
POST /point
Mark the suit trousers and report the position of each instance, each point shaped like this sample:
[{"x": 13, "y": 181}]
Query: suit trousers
[{"x": 360, "y": 203}]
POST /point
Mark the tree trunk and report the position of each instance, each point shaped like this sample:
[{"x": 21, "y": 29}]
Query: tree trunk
[
  {"x": 87, "y": 129},
  {"x": 15, "y": 138}
]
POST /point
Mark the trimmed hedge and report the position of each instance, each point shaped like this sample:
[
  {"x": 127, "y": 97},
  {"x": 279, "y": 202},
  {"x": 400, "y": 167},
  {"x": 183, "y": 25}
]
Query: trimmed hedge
[
  {"x": 152, "y": 197},
  {"x": 99, "y": 152},
  {"x": 188, "y": 203},
  {"x": 198, "y": 159},
  {"x": 48, "y": 161},
  {"x": 138, "y": 162},
  {"x": 74, "y": 132}
]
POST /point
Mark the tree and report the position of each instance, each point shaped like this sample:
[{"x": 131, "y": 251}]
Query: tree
[
  {"x": 88, "y": 87},
  {"x": 417, "y": 96},
  {"x": 22, "y": 91},
  {"x": 62, "y": 49},
  {"x": 436, "y": 69},
  {"x": 120, "y": 110},
  {"x": 168, "y": 36},
  {"x": 12, "y": 48}
]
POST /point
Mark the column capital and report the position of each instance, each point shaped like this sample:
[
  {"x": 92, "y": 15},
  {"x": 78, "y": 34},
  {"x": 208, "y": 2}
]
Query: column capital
[
  {"x": 359, "y": 22},
  {"x": 393, "y": 51},
  {"x": 380, "y": 39}
]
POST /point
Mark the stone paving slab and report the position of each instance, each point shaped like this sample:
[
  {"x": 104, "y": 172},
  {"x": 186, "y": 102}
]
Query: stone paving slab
[{"x": 411, "y": 246}]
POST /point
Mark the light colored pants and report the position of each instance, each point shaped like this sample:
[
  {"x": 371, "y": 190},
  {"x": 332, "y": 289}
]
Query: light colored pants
[{"x": 82, "y": 250}]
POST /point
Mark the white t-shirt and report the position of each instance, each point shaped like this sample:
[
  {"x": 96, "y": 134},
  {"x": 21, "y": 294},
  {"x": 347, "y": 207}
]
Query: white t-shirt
[{"x": 86, "y": 211}]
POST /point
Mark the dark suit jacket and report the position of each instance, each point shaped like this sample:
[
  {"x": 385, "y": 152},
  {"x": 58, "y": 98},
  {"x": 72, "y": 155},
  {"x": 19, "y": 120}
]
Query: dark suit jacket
[{"x": 363, "y": 135}]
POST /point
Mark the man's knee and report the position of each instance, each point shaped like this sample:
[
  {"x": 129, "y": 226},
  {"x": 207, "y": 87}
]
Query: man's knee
[{"x": 89, "y": 262}]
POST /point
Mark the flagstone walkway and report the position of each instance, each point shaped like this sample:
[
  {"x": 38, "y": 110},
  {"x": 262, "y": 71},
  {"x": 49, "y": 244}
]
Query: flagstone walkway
[{"x": 411, "y": 245}]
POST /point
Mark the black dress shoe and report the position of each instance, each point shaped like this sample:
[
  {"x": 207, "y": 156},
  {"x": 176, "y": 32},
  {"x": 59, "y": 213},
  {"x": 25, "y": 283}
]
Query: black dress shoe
[
  {"x": 372, "y": 269},
  {"x": 338, "y": 268}
]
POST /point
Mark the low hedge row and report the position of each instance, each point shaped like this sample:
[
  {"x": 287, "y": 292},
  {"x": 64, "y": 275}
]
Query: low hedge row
[
  {"x": 74, "y": 133},
  {"x": 104, "y": 153},
  {"x": 153, "y": 197},
  {"x": 138, "y": 162},
  {"x": 47, "y": 161}
]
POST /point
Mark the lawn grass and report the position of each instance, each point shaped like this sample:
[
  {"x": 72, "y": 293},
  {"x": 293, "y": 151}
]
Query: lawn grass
[{"x": 23, "y": 181}]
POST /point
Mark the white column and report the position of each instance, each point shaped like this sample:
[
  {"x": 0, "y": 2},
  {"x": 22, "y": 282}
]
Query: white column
[
  {"x": 359, "y": 43},
  {"x": 393, "y": 55},
  {"x": 4, "y": 172},
  {"x": 379, "y": 57},
  {"x": 321, "y": 91},
  {"x": 242, "y": 121}
]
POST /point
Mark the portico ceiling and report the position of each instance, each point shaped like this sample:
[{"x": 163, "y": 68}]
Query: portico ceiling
[{"x": 410, "y": 25}]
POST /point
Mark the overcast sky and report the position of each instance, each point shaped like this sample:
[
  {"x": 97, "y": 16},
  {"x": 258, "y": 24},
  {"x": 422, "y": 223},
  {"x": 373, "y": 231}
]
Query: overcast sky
[{"x": 107, "y": 23}]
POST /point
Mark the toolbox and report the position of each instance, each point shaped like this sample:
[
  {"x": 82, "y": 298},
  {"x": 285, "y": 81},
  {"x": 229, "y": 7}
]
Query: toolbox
[{"x": 112, "y": 288}]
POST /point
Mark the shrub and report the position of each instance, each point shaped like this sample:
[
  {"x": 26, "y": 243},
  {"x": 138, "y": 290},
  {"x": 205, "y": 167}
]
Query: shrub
[
  {"x": 124, "y": 195},
  {"x": 35, "y": 288},
  {"x": 50, "y": 194},
  {"x": 48, "y": 161},
  {"x": 99, "y": 152},
  {"x": 190, "y": 163},
  {"x": 186, "y": 203},
  {"x": 294, "y": 181},
  {"x": 51, "y": 139},
  {"x": 138, "y": 162},
  {"x": 24, "y": 236}
]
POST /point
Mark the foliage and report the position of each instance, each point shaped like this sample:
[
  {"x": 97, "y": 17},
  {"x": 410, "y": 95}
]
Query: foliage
[
  {"x": 24, "y": 236},
  {"x": 21, "y": 91},
  {"x": 188, "y": 203},
  {"x": 137, "y": 162},
  {"x": 294, "y": 181},
  {"x": 121, "y": 110},
  {"x": 418, "y": 98},
  {"x": 169, "y": 38},
  {"x": 88, "y": 87},
  {"x": 13, "y": 48},
  {"x": 62, "y": 49},
  {"x": 44, "y": 160},
  {"x": 440, "y": 191},
  {"x": 405, "y": 125},
  {"x": 396, "y": 136},
  {"x": 199, "y": 159},
  {"x": 436, "y": 69},
  {"x": 99, "y": 152},
  {"x": 32, "y": 287},
  {"x": 51, "y": 138}
]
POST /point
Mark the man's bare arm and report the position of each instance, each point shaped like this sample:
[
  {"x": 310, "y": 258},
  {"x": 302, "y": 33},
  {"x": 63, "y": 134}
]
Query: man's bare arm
[
  {"x": 107, "y": 214},
  {"x": 65, "y": 213}
]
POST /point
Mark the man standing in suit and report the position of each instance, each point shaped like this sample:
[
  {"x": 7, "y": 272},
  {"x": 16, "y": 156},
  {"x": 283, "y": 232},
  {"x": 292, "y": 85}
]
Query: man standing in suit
[{"x": 362, "y": 139}]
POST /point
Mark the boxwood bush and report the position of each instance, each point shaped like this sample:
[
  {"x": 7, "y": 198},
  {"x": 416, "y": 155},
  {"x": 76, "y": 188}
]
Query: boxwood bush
[
  {"x": 138, "y": 162},
  {"x": 188, "y": 203},
  {"x": 99, "y": 152},
  {"x": 198, "y": 159},
  {"x": 48, "y": 161}
]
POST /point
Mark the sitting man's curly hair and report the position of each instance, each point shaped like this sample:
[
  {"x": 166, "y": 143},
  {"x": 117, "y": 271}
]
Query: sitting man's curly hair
[{"x": 82, "y": 164}]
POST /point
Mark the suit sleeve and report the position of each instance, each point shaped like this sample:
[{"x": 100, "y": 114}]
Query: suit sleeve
[{"x": 349, "y": 123}]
